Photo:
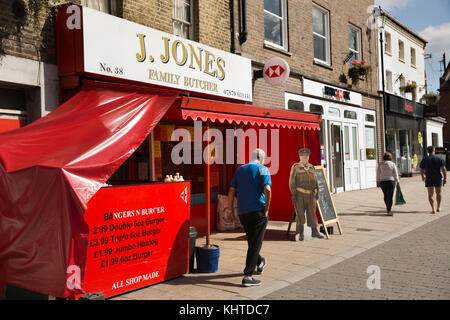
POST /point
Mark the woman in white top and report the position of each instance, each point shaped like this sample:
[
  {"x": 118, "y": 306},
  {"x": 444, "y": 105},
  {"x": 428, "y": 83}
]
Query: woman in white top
[{"x": 387, "y": 179}]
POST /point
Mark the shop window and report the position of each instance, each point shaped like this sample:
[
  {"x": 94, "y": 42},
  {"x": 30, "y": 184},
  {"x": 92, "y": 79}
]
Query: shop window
[
  {"x": 192, "y": 169},
  {"x": 401, "y": 51},
  {"x": 321, "y": 34},
  {"x": 413, "y": 57},
  {"x": 370, "y": 118},
  {"x": 334, "y": 112},
  {"x": 12, "y": 99},
  {"x": 388, "y": 80},
  {"x": 434, "y": 140},
  {"x": 315, "y": 108},
  {"x": 275, "y": 23},
  {"x": 135, "y": 169},
  {"x": 355, "y": 143},
  {"x": 350, "y": 115},
  {"x": 369, "y": 134},
  {"x": 346, "y": 143},
  {"x": 106, "y": 6},
  {"x": 296, "y": 105},
  {"x": 387, "y": 44},
  {"x": 183, "y": 18},
  {"x": 354, "y": 40}
]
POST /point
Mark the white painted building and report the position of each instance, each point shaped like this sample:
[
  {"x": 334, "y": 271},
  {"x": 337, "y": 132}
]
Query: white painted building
[
  {"x": 401, "y": 58},
  {"x": 403, "y": 55},
  {"x": 435, "y": 126}
]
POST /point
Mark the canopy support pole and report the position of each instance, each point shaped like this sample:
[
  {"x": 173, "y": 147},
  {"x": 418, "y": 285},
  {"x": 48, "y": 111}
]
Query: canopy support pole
[{"x": 207, "y": 186}]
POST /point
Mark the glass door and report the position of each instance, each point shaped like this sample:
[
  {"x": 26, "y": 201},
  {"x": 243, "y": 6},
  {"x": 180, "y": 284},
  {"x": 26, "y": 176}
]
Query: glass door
[
  {"x": 351, "y": 161},
  {"x": 336, "y": 158}
]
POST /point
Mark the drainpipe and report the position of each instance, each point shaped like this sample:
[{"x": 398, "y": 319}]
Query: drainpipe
[
  {"x": 382, "y": 86},
  {"x": 243, "y": 22},
  {"x": 233, "y": 45}
]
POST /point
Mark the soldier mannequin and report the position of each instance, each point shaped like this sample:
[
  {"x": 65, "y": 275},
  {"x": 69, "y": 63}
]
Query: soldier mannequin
[{"x": 304, "y": 190}]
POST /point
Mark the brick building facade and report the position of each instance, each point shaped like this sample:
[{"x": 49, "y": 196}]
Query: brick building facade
[
  {"x": 297, "y": 48},
  {"x": 221, "y": 24}
]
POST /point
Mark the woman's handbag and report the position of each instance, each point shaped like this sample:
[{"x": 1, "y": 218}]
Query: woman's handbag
[{"x": 399, "y": 196}]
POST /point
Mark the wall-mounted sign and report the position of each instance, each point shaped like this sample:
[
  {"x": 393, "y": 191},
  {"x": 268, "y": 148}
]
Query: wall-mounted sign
[
  {"x": 340, "y": 94},
  {"x": 328, "y": 92},
  {"x": 409, "y": 108},
  {"x": 430, "y": 111},
  {"x": 120, "y": 49},
  {"x": 402, "y": 106},
  {"x": 276, "y": 71}
]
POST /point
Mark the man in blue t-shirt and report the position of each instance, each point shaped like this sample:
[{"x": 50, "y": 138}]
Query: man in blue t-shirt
[
  {"x": 252, "y": 184},
  {"x": 432, "y": 166}
]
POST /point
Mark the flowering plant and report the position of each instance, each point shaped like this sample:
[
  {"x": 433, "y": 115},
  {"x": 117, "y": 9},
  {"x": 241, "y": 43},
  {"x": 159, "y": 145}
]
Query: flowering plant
[
  {"x": 410, "y": 87},
  {"x": 358, "y": 69}
]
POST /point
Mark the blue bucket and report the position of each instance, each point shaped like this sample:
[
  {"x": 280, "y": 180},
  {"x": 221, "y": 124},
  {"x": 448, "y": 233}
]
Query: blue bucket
[{"x": 207, "y": 259}]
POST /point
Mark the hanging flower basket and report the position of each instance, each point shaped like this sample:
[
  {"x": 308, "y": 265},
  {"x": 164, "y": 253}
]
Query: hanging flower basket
[
  {"x": 357, "y": 70},
  {"x": 410, "y": 87}
]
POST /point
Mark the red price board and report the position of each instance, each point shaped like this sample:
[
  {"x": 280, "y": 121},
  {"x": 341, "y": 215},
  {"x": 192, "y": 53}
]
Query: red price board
[{"x": 139, "y": 235}]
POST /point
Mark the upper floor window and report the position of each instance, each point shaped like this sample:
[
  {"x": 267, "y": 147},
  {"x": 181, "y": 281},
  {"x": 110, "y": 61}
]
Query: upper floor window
[
  {"x": 387, "y": 43},
  {"x": 275, "y": 23},
  {"x": 354, "y": 43},
  {"x": 107, "y": 6},
  {"x": 388, "y": 80},
  {"x": 413, "y": 57},
  {"x": 402, "y": 84},
  {"x": 182, "y": 19},
  {"x": 401, "y": 51},
  {"x": 321, "y": 32}
]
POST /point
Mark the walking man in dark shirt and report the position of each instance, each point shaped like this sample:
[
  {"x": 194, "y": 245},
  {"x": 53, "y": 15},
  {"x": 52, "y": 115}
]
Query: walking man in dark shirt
[
  {"x": 252, "y": 184},
  {"x": 430, "y": 169}
]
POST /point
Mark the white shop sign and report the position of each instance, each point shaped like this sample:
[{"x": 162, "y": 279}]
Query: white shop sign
[
  {"x": 326, "y": 91},
  {"x": 122, "y": 49}
]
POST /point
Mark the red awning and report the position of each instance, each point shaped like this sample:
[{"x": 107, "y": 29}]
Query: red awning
[
  {"x": 51, "y": 168},
  {"x": 232, "y": 113}
]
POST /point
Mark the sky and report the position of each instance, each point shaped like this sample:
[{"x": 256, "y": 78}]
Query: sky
[{"x": 431, "y": 20}]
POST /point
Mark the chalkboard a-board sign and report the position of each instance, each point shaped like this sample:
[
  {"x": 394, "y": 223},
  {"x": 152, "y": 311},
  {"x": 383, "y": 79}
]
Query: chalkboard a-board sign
[{"x": 325, "y": 202}]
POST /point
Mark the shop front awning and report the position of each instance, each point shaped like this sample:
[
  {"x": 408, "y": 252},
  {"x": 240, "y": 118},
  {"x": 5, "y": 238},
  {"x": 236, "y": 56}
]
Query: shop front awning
[
  {"x": 233, "y": 113},
  {"x": 52, "y": 167}
]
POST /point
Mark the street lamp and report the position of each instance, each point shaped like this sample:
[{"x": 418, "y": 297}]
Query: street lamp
[{"x": 380, "y": 23}]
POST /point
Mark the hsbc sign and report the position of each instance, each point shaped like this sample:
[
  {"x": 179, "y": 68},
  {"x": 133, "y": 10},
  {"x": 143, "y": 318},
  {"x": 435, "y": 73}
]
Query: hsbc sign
[
  {"x": 276, "y": 71},
  {"x": 325, "y": 91},
  {"x": 336, "y": 93}
]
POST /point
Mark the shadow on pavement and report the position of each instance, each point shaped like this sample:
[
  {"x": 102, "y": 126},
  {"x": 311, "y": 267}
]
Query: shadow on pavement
[
  {"x": 270, "y": 235},
  {"x": 211, "y": 279},
  {"x": 380, "y": 213}
]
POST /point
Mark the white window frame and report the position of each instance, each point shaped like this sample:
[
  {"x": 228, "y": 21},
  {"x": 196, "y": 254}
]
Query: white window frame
[
  {"x": 389, "y": 79},
  {"x": 413, "y": 55},
  {"x": 358, "y": 52},
  {"x": 177, "y": 20},
  {"x": 327, "y": 36},
  {"x": 112, "y": 5},
  {"x": 387, "y": 44},
  {"x": 284, "y": 22},
  {"x": 401, "y": 50}
]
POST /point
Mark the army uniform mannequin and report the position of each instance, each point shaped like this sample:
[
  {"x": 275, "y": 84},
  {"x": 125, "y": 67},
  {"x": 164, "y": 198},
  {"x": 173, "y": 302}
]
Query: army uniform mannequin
[{"x": 304, "y": 190}]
